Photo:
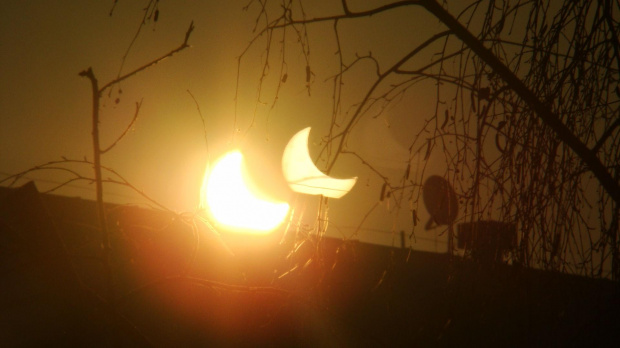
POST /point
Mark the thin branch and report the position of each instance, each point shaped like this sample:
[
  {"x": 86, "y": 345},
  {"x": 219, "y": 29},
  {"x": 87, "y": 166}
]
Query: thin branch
[
  {"x": 543, "y": 110},
  {"x": 202, "y": 118},
  {"x": 183, "y": 46},
  {"x": 137, "y": 33},
  {"x": 608, "y": 132},
  {"x": 392, "y": 69},
  {"x": 133, "y": 120}
]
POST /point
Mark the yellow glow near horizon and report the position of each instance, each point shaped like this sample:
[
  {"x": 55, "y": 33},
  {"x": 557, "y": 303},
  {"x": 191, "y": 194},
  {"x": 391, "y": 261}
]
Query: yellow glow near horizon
[{"x": 230, "y": 201}]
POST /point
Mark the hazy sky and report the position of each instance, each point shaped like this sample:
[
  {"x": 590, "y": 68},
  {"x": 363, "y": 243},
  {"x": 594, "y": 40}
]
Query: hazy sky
[{"x": 45, "y": 105}]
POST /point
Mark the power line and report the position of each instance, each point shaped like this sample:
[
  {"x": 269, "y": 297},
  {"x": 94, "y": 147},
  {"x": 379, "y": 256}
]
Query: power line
[{"x": 381, "y": 231}]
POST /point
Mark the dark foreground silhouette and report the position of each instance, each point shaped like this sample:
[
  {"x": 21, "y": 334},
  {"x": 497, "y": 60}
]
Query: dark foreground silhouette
[{"x": 179, "y": 286}]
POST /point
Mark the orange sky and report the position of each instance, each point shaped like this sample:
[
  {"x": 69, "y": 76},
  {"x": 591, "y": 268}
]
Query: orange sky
[{"x": 45, "y": 105}]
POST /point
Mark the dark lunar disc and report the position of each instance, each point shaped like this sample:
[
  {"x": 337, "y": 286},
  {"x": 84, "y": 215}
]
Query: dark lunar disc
[{"x": 440, "y": 200}]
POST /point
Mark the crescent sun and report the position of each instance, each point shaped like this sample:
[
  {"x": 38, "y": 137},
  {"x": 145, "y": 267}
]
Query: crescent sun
[
  {"x": 304, "y": 177},
  {"x": 230, "y": 200}
]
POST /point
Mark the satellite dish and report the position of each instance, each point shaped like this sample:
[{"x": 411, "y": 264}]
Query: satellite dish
[{"x": 440, "y": 201}]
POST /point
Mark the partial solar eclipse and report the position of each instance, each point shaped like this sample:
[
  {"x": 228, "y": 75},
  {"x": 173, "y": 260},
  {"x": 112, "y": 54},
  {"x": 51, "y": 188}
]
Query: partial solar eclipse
[
  {"x": 232, "y": 202},
  {"x": 304, "y": 177}
]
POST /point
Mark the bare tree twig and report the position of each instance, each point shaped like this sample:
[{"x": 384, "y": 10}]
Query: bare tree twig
[
  {"x": 133, "y": 120},
  {"x": 543, "y": 111},
  {"x": 537, "y": 81},
  {"x": 183, "y": 46}
]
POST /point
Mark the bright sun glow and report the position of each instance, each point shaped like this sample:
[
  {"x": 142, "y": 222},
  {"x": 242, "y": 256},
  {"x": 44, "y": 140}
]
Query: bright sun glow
[
  {"x": 304, "y": 177},
  {"x": 231, "y": 202}
]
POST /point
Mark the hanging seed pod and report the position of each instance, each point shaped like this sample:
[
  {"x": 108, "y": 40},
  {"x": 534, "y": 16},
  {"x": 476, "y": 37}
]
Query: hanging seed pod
[
  {"x": 156, "y": 16},
  {"x": 407, "y": 171},
  {"x": 500, "y": 26},
  {"x": 382, "y": 197},
  {"x": 284, "y": 78},
  {"x": 445, "y": 121},
  {"x": 473, "y": 100},
  {"x": 428, "y": 149},
  {"x": 497, "y": 142},
  {"x": 308, "y": 73}
]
